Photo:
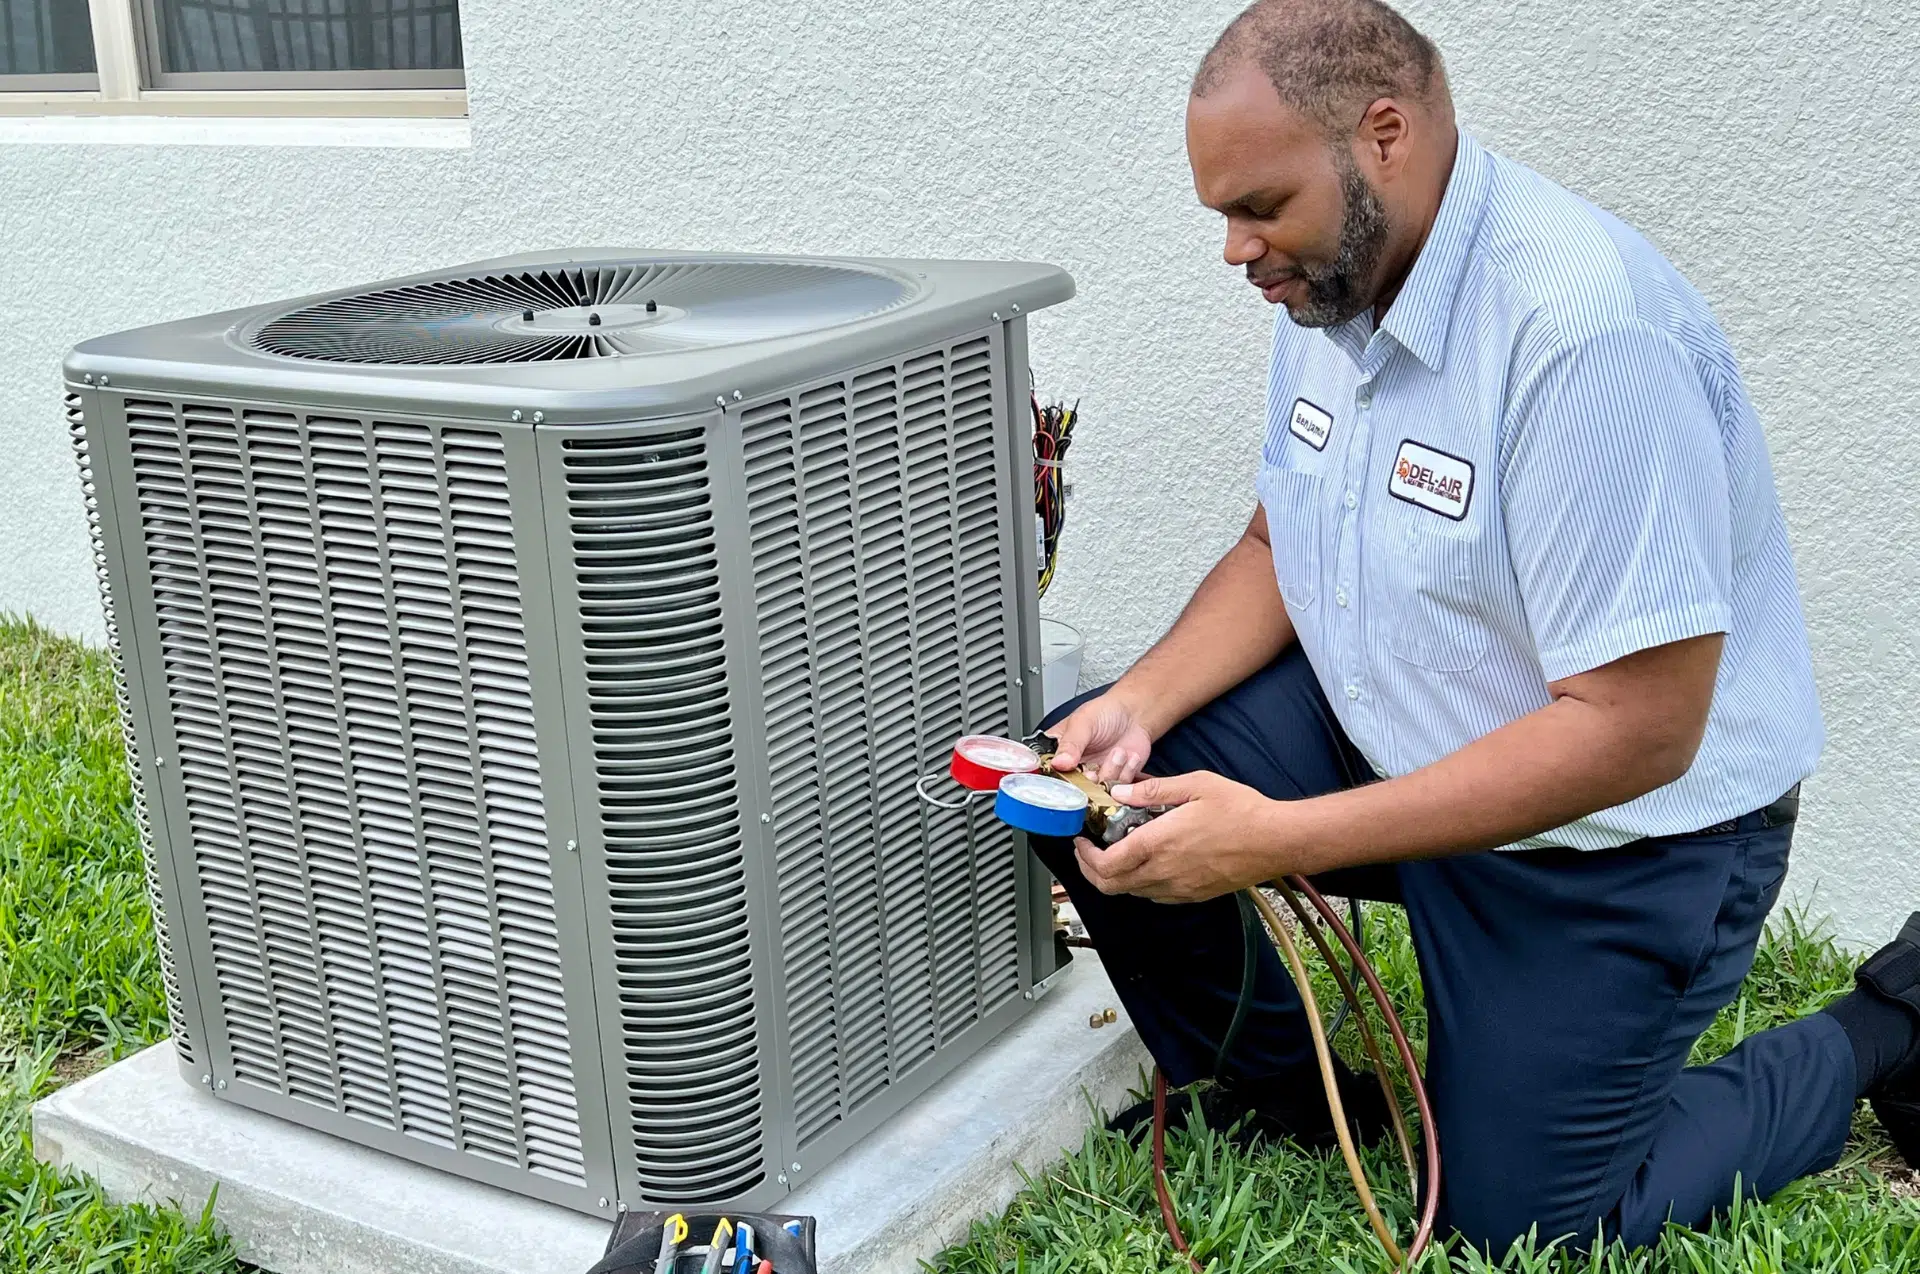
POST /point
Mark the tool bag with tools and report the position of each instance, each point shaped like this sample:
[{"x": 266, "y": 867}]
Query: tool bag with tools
[{"x": 706, "y": 1242}]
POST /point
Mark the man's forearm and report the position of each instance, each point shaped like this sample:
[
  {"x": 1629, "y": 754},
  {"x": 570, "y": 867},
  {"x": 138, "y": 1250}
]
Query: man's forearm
[
  {"x": 1626, "y": 730},
  {"x": 1234, "y": 626}
]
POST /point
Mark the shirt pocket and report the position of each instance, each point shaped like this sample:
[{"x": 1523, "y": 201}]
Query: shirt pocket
[
  {"x": 1436, "y": 611},
  {"x": 1292, "y": 501}
]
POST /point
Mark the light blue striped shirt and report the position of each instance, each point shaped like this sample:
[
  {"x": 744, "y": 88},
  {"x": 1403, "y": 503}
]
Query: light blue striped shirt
[{"x": 1543, "y": 460}]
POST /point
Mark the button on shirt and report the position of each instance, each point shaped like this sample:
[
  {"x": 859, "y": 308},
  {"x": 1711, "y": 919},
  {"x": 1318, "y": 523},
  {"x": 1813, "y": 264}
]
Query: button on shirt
[{"x": 1541, "y": 461}]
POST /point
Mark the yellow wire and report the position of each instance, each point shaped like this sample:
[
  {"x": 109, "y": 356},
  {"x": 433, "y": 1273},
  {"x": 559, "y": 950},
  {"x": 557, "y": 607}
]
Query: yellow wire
[{"x": 1280, "y": 935}]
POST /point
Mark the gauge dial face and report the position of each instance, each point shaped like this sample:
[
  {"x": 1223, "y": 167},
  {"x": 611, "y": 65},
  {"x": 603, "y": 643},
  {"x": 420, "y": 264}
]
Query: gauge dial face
[
  {"x": 1002, "y": 755},
  {"x": 1044, "y": 791}
]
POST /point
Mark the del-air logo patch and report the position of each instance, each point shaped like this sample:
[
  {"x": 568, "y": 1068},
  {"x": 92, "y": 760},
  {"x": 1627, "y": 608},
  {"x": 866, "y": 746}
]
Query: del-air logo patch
[
  {"x": 1432, "y": 479},
  {"x": 1311, "y": 424}
]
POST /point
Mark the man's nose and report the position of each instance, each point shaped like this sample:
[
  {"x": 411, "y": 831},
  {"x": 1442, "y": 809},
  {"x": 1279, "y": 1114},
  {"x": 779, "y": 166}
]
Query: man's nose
[{"x": 1243, "y": 248}]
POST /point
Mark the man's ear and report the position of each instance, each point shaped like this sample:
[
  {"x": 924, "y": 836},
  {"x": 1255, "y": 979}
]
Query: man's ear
[{"x": 1384, "y": 140}]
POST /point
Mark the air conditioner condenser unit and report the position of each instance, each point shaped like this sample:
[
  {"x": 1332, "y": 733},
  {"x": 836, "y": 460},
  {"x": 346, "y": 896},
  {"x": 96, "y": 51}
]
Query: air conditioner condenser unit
[{"x": 526, "y": 670}]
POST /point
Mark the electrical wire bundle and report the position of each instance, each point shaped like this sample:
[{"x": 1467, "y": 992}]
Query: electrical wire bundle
[{"x": 1052, "y": 435}]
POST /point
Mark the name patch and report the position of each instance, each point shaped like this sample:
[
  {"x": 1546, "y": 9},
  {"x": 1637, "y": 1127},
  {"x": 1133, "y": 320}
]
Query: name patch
[
  {"x": 1310, "y": 424},
  {"x": 1434, "y": 480}
]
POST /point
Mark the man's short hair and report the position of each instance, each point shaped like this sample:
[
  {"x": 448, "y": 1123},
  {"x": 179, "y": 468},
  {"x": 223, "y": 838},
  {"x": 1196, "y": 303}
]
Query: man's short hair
[{"x": 1328, "y": 59}]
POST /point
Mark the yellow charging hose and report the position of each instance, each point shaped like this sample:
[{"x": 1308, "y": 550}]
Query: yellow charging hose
[{"x": 1290, "y": 890}]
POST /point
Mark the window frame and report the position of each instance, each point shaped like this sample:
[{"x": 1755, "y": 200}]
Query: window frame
[
  {"x": 57, "y": 82},
  {"x": 127, "y": 75}
]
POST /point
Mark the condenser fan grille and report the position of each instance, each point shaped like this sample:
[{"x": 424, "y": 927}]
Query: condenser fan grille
[{"x": 601, "y": 311}]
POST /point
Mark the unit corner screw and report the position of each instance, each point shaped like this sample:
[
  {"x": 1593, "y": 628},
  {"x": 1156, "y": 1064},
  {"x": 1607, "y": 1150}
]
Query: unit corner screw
[
  {"x": 1026, "y": 995},
  {"x": 996, "y": 316},
  {"x": 622, "y": 1206},
  {"x": 737, "y": 395},
  {"x": 539, "y": 416},
  {"x": 603, "y": 1200},
  {"x": 782, "y": 1178},
  {"x": 793, "y": 1167},
  {"x": 1016, "y": 309},
  {"x": 573, "y": 847},
  {"x": 220, "y": 1087},
  {"x": 766, "y": 818},
  {"x": 1096, "y": 1021},
  {"x": 103, "y": 378},
  {"x": 159, "y": 761},
  {"x": 206, "y": 1081},
  {"x": 89, "y": 378},
  {"x": 1033, "y": 670},
  {"x": 515, "y": 415},
  {"x": 1020, "y": 681}
]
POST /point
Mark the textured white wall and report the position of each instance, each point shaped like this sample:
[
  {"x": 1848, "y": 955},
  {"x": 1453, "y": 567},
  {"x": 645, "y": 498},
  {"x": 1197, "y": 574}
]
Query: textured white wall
[{"x": 1771, "y": 154}]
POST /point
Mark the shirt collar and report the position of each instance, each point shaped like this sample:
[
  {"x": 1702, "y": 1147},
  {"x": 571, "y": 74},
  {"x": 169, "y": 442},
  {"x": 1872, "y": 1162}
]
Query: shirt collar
[{"x": 1419, "y": 317}]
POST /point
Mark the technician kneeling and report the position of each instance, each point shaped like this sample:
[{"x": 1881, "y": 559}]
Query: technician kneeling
[{"x": 1535, "y": 668}]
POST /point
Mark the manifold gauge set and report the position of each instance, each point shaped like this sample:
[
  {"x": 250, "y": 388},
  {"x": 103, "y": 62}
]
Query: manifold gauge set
[{"x": 1027, "y": 793}]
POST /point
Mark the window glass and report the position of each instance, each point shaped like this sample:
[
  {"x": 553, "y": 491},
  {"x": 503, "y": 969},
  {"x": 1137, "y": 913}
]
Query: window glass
[
  {"x": 45, "y": 37},
  {"x": 308, "y": 35}
]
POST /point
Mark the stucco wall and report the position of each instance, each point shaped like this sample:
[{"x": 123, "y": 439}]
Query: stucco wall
[{"x": 1771, "y": 156}]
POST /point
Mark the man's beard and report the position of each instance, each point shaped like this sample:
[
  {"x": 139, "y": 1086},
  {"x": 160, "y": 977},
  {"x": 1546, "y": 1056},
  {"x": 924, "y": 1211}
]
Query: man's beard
[{"x": 1341, "y": 288}]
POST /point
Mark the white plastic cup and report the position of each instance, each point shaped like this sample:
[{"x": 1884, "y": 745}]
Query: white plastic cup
[{"x": 1061, "y": 650}]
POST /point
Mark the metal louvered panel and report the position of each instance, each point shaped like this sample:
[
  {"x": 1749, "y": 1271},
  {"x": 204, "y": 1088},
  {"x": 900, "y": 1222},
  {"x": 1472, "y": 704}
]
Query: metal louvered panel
[
  {"x": 143, "y": 816},
  {"x": 877, "y": 553},
  {"x": 529, "y": 742},
  {"x": 347, "y": 683},
  {"x": 646, "y": 568}
]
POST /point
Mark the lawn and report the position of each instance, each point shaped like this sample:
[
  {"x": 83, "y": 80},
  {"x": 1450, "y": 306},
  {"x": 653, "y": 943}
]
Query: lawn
[{"x": 79, "y": 986}]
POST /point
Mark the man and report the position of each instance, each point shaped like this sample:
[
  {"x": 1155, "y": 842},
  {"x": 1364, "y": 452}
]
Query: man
[{"x": 1534, "y": 667}]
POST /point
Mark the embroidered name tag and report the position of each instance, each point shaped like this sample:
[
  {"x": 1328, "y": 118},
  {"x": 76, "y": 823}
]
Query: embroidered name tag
[
  {"x": 1432, "y": 479},
  {"x": 1310, "y": 424}
]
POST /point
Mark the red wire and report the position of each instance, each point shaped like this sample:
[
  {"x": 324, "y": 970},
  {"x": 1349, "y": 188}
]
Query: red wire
[
  {"x": 1160, "y": 1168},
  {"x": 1429, "y": 1137},
  {"x": 1430, "y": 1141}
]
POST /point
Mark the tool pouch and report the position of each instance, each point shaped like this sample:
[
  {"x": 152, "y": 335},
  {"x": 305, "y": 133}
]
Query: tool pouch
[{"x": 634, "y": 1246}]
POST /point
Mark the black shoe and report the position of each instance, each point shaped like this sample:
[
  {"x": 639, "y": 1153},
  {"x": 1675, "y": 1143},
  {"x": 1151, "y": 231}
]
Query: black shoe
[
  {"x": 1893, "y": 974},
  {"x": 1253, "y": 1113}
]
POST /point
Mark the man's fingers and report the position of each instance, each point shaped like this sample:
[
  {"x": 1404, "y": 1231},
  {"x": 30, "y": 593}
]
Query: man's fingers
[
  {"x": 1111, "y": 870},
  {"x": 1066, "y": 745},
  {"x": 1158, "y": 791}
]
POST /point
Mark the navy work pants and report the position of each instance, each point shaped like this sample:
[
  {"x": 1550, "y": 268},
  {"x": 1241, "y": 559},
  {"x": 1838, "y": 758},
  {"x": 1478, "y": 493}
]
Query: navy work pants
[{"x": 1563, "y": 992}]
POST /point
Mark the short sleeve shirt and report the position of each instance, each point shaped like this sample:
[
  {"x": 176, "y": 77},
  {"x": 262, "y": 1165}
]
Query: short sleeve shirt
[{"x": 1541, "y": 461}]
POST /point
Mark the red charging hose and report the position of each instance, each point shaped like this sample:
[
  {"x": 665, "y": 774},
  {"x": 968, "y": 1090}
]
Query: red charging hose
[{"x": 1429, "y": 1197}]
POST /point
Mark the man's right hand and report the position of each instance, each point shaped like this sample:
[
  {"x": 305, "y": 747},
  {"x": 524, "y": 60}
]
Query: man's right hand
[{"x": 1104, "y": 737}]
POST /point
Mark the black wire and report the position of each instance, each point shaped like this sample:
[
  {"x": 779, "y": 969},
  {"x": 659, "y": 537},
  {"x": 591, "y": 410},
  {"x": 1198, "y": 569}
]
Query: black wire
[{"x": 1251, "y": 929}]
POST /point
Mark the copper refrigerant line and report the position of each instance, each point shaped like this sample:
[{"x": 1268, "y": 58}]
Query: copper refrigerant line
[{"x": 1030, "y": 795}]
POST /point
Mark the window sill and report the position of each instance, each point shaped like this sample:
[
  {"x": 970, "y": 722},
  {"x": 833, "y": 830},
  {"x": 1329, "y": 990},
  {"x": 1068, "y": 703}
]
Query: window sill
[
  {"x": 179, "y": 130},
  {"x": 450, "y": 103}
]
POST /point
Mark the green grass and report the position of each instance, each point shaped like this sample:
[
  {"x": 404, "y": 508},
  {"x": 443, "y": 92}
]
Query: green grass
[
  {"x": 79, "y": 980},
  {"x": 1284, "y": 1210},
  {"x": 80, "y": 985}
]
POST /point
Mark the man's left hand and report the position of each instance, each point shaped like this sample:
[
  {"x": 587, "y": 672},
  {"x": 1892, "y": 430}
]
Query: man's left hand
[{"x": 1220, "y": 838}]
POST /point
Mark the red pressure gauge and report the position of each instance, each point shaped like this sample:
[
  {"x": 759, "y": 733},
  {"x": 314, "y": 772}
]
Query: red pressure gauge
[{"x": 980, "y": 761}]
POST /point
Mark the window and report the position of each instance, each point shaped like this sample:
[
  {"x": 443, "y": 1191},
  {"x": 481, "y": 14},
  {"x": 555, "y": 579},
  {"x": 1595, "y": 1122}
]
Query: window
[
  {"x": 223, "y": 56},
  {"x": 46, "y": 44}
]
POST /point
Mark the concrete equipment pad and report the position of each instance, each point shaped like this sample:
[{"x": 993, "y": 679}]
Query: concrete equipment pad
[{"x": 301, "y": 1202}]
